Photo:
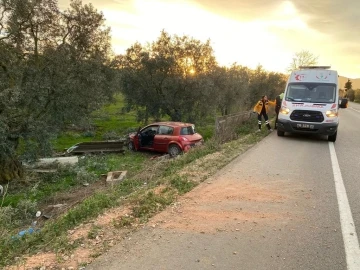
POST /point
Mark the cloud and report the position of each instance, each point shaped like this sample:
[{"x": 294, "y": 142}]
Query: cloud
[
  {"x": 243, "y": 31},
  {"x": 326, "y": 28}
]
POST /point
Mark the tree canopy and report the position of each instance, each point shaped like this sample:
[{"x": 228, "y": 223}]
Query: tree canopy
[
  {"x": 178, "y": 77},
  {"x": 302, "y": 58},
  {"x": 348, "y": 85},
  {"x": 168, "y": 77},
  {"x": 54, "y": 70},
  {"x": 57, "y": 66}
]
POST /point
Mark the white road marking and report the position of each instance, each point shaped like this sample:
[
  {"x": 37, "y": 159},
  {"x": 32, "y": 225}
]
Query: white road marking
[
  {"x": 351, "y": 242},
  {"x": 354, "y": 109}
]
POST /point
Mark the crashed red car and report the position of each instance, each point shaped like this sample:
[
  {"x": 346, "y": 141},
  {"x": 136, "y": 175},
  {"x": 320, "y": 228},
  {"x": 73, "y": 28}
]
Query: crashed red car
[{"x": 165, "y": 137}]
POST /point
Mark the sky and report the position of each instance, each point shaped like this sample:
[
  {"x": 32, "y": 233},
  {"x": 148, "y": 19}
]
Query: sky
[{"x": 248, "y": 32}]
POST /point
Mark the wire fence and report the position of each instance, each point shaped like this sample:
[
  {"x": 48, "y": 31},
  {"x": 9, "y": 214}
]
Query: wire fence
[{"x": 226, "y": 126}]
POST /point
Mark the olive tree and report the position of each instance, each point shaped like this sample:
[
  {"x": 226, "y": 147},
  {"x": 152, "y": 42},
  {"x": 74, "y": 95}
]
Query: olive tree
[
  {"x": 54, "y": 70},
  {"x": 232, "y": 87},
  {"x": 170, "y": 76}
]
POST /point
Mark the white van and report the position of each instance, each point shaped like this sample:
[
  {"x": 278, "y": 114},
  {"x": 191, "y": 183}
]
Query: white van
[{"x": 310, "y": 103}]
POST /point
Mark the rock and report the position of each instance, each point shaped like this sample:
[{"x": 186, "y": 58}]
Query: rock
[
  {"x": 58, "y": 205},
  {"x": 66, "y": 258}
]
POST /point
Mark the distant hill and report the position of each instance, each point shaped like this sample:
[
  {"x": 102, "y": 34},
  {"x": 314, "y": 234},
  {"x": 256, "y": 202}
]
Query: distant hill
[{"x": 343, "y": 80}]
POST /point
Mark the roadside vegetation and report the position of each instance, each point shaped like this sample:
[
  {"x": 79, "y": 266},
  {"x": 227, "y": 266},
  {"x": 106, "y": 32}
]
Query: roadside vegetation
[
  {"x": 350, "y": 93},
  {"x": 353, "y": 95},
  {"x": 60, "y": 84},
  {"x": 145, "y": 176}
]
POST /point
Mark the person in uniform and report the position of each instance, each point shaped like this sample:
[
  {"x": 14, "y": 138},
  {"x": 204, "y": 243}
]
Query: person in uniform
[{"x": 262, "y": 109}]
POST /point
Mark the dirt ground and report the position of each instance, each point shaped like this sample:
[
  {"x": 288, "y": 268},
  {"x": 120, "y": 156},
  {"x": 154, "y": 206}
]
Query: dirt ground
[{"x": 196, "y": 211}]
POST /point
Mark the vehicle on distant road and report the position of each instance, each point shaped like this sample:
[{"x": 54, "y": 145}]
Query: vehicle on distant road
[
  {"x": 311, "y": 103},
  {"x": 165, "y": 137},
  {"x": 343, "y": 102}
]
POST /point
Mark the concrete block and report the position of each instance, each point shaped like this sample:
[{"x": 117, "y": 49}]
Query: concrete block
[{"x": 115, "y": 177}]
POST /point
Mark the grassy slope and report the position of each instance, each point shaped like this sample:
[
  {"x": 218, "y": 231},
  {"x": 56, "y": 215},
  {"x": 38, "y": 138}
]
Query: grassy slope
[
  {"x": 133, "y": 190},
  {"x": 111, "y": 119},
  {"x": 108, "y": 119}
]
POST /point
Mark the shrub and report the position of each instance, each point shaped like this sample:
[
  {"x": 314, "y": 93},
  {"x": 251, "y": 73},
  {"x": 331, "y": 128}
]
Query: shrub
[
  {"x": 357, "y": 95},
  {"x": 88, "y": 134},
  {"x": 350, "y": 94},
  {"x": 84, "y": 176},
  {"x": 111, "y": 135}
]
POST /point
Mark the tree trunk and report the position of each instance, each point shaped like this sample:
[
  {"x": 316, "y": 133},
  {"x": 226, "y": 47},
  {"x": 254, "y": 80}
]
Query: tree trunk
[{"x": 10, "y": 170}]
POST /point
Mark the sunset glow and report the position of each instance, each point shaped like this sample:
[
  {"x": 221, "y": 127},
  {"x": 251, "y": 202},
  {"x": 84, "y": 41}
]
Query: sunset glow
[{"x": 268, "y": 38}]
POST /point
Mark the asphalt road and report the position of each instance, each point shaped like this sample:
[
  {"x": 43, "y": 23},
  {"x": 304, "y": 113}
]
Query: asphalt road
[{"x": 294, "y": 211}]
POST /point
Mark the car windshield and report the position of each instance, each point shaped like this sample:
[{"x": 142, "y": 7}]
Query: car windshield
[
  {"x": 311, "y": 92},
  {"x": 190, "y": 130}
]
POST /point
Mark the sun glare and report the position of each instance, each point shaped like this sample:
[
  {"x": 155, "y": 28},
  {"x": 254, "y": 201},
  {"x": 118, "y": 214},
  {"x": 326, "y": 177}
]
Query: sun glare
[{"x": 269, "y": 40}]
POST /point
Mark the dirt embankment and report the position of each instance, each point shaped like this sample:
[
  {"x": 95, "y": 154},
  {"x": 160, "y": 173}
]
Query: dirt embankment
[{"x": 207, "y": 208}]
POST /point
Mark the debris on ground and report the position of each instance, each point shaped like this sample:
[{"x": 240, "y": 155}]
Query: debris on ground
[
  {"x": 50, "y": 165},
  {"x": 115, "y": 176},
  {"x": 96, "y": 147}
]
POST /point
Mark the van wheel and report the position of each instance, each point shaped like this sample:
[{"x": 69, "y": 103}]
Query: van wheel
[
  {"x": 280, "y": 133},
  {"x": 174, "y": 150},
  {"x": 332, "y": 138}
]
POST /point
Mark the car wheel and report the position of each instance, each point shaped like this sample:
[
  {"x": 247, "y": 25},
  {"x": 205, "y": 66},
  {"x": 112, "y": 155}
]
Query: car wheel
[
  {"x": 131, "y": 146},
  {"x": 332, "y": 138},
  {"x": 280, "y": 133},
  {"x": 174, "y": 150}
]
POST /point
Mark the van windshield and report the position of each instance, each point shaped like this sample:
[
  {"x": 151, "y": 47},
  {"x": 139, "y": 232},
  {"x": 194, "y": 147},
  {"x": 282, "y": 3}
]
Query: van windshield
[{"x": 311, "y": 92}]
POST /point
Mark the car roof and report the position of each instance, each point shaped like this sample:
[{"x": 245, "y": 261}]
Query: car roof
[{"x": 173, "y": 124}]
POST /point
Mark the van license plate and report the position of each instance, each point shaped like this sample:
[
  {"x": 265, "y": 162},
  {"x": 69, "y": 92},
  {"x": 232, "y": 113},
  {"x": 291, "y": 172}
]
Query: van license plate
[{"x": 305, "y": 126}]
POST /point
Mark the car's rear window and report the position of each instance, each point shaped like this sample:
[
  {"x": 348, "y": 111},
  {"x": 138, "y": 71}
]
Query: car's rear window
[{"x": 190, "y": 130}]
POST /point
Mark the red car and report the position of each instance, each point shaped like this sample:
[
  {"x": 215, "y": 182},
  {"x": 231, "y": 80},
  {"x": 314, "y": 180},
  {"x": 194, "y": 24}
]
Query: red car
[{"x": 165, "y": 137}]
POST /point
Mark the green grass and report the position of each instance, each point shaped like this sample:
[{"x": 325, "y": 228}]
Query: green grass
[
  {"x": 112, "y": 120},
  {"x": 182, "y": 185},
  {"x": 143, "y": 176},
  {"x": 206, "y": 131},
  {"x": 109, "y": 119},
  {"x": 41, "y": 188},
  {"x": 150, "y": 204},
  {"x": 145, "y": 201}
]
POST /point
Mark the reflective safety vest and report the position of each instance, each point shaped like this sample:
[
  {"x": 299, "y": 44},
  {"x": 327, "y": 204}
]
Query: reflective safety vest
[{"x": 259, "y": 105}]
